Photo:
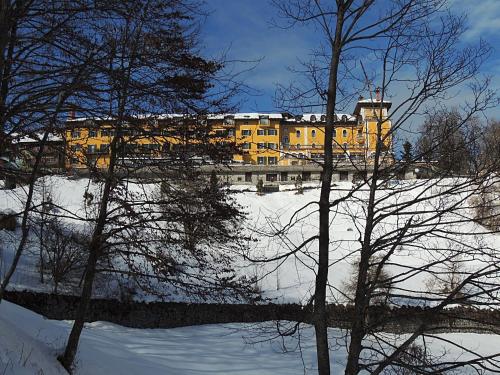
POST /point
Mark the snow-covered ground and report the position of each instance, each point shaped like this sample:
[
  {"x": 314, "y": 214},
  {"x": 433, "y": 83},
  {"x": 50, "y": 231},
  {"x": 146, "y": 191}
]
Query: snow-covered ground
[
  {"x": 29, "y": 344},
  {"x": 292, "y": 279}
]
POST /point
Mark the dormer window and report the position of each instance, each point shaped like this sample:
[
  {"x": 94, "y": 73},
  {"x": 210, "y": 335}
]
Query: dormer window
[
  {"x": 323, "y": 118},
  {"x": 344, "y": 118},
  {"x": 228, "y": 120},
  {"x": 264, "y": 120},
  {"x": 313, "y": 118}
]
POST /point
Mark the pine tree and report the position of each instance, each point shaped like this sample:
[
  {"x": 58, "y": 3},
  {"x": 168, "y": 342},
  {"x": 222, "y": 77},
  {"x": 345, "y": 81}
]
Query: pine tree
[{"x": 407, "y": 156}]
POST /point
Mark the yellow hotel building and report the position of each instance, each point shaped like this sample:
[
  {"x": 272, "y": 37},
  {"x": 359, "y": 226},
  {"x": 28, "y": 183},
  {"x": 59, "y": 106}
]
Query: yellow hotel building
[{"x": 262, "y": 138}]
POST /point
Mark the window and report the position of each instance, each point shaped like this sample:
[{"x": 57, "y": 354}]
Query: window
[
  {"x": 271, "y": 177},
  {"x": 75, "y": 134},
  {"x": 313, "y": 118},
  {"x": 104, "y": 132},
  {"x": 286, "y": 140},
  {"x": 248, "y": 176},
  {"x": 261, "y": 160},
  {"x": 76, "y": 147},
  {"x": 246, "y": 132},
  {"x": 343, "y": 176},
  {"x": 272, "y": 132},
  {"x": 228, "y": 121},
  {"x": 284, "y": 176},
  {"x": 261, "y": 132},
  {"x": 220, "y": 133},
  {"x": 323, "y": 118},
  {"x": 264, "y": 120},
  {"x": 360, "y": 132},
  {"x": 104, "y": 147},
  {"x": 344, "y": 133},
  {"x": 298, "y": 146},
  {"x": 297, "y": 133},
  {"x": 92, "y": 133},
  {"x": 345, "y": 146},
  {"x": 271, "y": 145},
  {"x": 261, "y": 145},
  {"x": 313, "y": 145},
  {"x": 306, "y": 176},
  {"x": 313, "y": 133},
  {"x": 272, "y": 160},
  {"x": 91, "y": 149},
  {"x": 245, "y": 146},
  {"x": 230, "y": 132}
]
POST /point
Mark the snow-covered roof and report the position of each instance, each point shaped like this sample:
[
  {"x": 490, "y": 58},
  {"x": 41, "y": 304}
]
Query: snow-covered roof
[
  {"x": 35, "y": 138},
  {"x": 306, "y": 117},
  {"x": 372, "y": 101},
  {"x": 77, "y": 119},
  {"x": 256, "y": 116},
  {"x": 320, "y": 117}
]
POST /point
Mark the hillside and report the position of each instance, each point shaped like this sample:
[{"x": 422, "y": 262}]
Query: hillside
[{"x": 288, "y": 279}]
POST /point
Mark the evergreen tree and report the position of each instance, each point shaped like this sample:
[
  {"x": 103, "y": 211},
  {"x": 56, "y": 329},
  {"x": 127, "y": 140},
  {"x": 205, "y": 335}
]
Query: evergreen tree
[
  {"x": 407, "y": 156},
  {"x": 260, "y": 187},
  {"x": 298, "y": 185}
]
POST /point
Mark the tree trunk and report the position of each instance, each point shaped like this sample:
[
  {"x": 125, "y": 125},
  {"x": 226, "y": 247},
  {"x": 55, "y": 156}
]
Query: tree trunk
[
  {"x": 320, "y": 313},
  {"x": 95, "y": 247},
  {"x": 362, "y": 297}
]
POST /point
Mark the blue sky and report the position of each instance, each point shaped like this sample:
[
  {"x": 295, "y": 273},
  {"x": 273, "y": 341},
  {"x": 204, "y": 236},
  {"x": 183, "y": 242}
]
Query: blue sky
[{"x": 243, "y": 27}]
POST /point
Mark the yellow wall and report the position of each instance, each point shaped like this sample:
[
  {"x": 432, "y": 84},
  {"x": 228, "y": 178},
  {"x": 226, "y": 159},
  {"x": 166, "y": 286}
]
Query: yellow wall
[{"x": 264, "y": 139}]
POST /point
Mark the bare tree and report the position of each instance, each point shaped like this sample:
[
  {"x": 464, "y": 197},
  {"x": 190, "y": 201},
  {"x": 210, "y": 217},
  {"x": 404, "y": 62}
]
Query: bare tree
[
  {"x": 416, "y": 49},
  {"x": 40, "y": 71},
  {"x": 150, "y": 84}
]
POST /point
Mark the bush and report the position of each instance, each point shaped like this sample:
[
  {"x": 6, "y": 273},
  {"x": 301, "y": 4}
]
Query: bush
[
  {"x": 8, "y": 221},
  {"x": 64, "y": 253}
]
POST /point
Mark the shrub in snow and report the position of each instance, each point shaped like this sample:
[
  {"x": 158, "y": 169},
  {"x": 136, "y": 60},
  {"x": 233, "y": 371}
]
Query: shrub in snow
[
  {"x": 63, "y": 252},
  {"x": 260, "y": 187},
  {"x": 8, "y": 220},
  {"x": 378, "y": 282},
  {"x": 298, "y": 185}
]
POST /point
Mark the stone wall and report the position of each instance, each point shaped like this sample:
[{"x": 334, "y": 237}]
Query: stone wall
[{"x": 170, "y": 314}]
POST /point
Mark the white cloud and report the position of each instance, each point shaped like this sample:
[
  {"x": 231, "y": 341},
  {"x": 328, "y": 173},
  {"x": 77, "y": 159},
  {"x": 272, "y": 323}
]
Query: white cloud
[{"x": 483, "y": 17}]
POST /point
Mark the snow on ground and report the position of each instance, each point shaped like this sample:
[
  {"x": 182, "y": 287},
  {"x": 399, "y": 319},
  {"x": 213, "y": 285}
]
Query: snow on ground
[
  {"x": 30, "y": 344},
  {"x": 293, "y": 280}
]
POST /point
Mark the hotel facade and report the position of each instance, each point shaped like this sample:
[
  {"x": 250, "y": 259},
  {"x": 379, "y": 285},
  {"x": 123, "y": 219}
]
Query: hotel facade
[{"x": 261, "y": 139}]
